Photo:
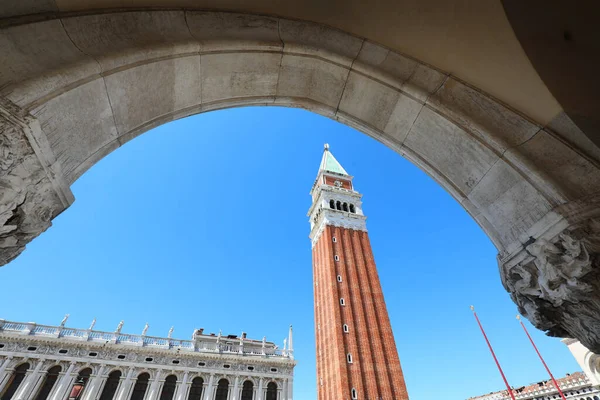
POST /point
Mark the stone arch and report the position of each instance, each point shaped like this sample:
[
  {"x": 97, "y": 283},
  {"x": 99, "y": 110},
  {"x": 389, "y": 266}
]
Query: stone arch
[
  {"x": 111, "y": 385},
  {"x": 271, "y": 391},
  {"x": 523, "y": 182},
  {"x": 222, "y": 390},
  {"x": 196, "y": 388},
  {"x": 141, "y": 386},
  {"x": 247, "y": 389},
  {"x": 50, "y": 380},
  {"x": 16, "y": 379},
  {"x": 168, "y": 388}
]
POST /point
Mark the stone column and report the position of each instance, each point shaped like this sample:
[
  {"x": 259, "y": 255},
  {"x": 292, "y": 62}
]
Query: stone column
[
  {"x": 555, "y": 279},
  {"x": 29, "y": 381},
  {"x": 4, "y": 375},
  {"x": 155, "y": 387},
  {"x": 208, "y": 395},
  {"x": 182, "y": 387},
  {"x": 123, "y": 391},
  {"x": 33, "y": 188},
  {"x": 91, "y": 391},
  {"x": 236, "y": 385},
  {"x": 260, "y": 395},
  {"x": 63, "y": 384},
  {"x": 290, "y": 393}
]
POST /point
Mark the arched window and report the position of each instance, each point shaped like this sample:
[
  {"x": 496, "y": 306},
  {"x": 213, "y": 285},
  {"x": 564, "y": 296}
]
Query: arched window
[
  {"x": 15, "y": 381},
  {"x": 49, "y": 381},
  {"x": 338, "y": 205},
  {"x": 222, "y": 389},
  {"x": 168, "y": 389},
  {"x": 349, "y": 357},
  {"x": 339, "y": 278},
  {"x": 346, "y": 329},
  {"x": 196, "y": 389},
  {"x": 271, "y": 391},
  {"x": 83, "y": 376},
  {"x": 332, "y": 204},
  {"x": 345, "y": 206},
  {"x": 596, "y": 398},
  {"x": 111, "y": 385},
  {"x": 342, "y": 302},
  {"x": 352, "y": 209},
  {"x": 354, "y": 394},
  {"x": 248, "y": 389},
  {"x": 141, "y": 384}
]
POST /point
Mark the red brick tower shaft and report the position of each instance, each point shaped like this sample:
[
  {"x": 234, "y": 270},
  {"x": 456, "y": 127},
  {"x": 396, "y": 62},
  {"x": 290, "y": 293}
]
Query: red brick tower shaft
[{"x": 356, "y": 351}]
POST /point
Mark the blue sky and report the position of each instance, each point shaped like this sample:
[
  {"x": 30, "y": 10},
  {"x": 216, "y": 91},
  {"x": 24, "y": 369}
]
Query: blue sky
[{"x": 202, "y": 223}]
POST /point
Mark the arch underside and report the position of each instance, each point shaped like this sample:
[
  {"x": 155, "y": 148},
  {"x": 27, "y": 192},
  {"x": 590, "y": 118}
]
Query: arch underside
[{"x": 74, "y": 89}]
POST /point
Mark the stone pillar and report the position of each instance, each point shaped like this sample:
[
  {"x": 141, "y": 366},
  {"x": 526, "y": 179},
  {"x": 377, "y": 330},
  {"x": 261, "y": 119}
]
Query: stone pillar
[
  {"x": 208, "y": 395},
  {"x": 29, "y": 381},
  {"x": 123, "y": 392},
  {"x": 260, "y": 394},
  {"x": 63, "y": 384},
  {"x": 91, "y": 391},
  {"x": 153, "y": 393},
  {"x": 555, "y": 278},
  {"x": 33, "y": 188},
  {"x": 182, "y": 387},
  {"x": 290, "y": 389},
  {"x": 4, "y": 375},
  {"x": 236, "y": 388}
]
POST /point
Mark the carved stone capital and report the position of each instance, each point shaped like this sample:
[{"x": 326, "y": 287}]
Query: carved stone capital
[
  {"x": 555, "y": 281},
  {"x": 32, "y": 190}
]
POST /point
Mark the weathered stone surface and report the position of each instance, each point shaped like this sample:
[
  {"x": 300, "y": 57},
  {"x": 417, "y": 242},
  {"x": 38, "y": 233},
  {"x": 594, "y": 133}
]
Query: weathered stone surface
[
  {"x": 31, "y": 193},
  {"x": 311, "y": 78},
  {"x": 42, "y": 57},
  {"x": 495, "y": 124},
  {"x": 12, "y": 8},
  {"x": 509, "y": 202},
  {"x": 77, "y": 123},
  {"x": 563, "y": 126},
  {"x": 555, "y": 282},
  {"x": 119, "y": 39},
  {"x": 382, "y": 64},
  {"x": 463, "y": 161},
  {"x": 167, "y": 86},
  {"x": 226, "y": 76},
  {"x": 319, "y": 41},
  {"x": 218, "y": 31}
]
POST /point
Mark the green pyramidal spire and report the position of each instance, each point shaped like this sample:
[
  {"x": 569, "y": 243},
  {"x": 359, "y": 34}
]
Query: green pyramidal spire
[{"x": 329, "y": 163}]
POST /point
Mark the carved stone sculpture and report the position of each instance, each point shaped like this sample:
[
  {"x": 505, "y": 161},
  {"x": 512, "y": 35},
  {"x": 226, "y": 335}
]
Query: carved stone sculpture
[
  {"x": 556, "y": 284},
  {"x": 31, "y": 189}
]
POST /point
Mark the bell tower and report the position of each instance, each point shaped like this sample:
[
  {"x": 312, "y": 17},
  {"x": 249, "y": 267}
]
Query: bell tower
[{"x": 356, "y": 351}]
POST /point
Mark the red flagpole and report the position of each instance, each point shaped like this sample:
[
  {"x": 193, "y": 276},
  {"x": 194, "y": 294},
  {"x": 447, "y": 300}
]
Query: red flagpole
[
  {"x": 493, "y": 355},
  {"x": 542, "y": 359}
]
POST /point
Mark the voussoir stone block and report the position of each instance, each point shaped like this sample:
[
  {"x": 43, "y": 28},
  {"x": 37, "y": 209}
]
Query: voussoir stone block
[
  {"x": 38, "y": 59},
  {"x": 77, "y": 124},
  {"x": 311, "y": 78},
  {"x": 234, "y": 75},
  {"x": 319, "y": 41},
  {"x": 139, "y": 95},
  {"x": 118, "y": 39},
  {"x": 220, "y": 31},
  {"x": 509, "y": 202},
  {"x": 382, "y": 64},
  {"x": 456, "y": 155},
  {"x": 494, "y": 123}
]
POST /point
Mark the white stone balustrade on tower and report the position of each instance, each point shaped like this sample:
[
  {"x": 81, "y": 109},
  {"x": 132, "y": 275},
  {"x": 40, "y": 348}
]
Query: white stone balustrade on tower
[{"x": 43, "y": 362}]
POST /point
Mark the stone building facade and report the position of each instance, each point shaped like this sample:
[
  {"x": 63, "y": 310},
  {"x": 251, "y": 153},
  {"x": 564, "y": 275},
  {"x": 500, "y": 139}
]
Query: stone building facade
[
  {"x": 356, "y": 351},
  {"x": 39, "y": 362},
  {"x": 576, "y": 386}
]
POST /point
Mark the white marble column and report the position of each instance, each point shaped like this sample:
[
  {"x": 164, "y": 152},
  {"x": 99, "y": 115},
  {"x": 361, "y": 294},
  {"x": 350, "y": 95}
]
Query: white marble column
[
  {"x": 209, "y": 389},
  {"x": 290, "y": 391},
  {"x": 182, "y": 387},
  {"x": 64, "y": 384},
  {"x": 29, "y": 381},
  {"x": 236, "y": 389},
  {"x": 284, "y": 395},
  {"x": 154, "y": 387},
  {"x": 260, "y": 395},
  {"x": 123, "y": 392},
  {"x": 4, "y": 375},
  {"x": 91, "y": 391}
]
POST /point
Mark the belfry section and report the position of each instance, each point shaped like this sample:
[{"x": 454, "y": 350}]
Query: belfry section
[{"x": 356, "y": 352}]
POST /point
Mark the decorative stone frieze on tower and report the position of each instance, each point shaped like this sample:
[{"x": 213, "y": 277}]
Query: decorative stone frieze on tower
[{"x": 356, "y": 352}]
